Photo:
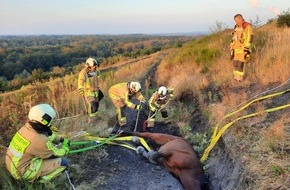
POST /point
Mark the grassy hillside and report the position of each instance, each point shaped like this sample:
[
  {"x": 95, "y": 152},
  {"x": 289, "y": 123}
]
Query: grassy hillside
[
  {"x": 203, "y": 69},
  {"x": 205, "y": 92}
]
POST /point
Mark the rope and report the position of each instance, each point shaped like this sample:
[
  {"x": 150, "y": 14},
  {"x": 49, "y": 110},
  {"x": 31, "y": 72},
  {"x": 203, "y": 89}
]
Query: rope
[
  {"x": 68, "y": 178},
  {"x": 262, "y": 93},
  {"x": 247, "y": 105},
  {"x": 91, "y": 147},
  {"x": 163, "y": 106},
  {"x": 216, "y": 135},
  {"x": 99, "y": 141},
  {"x": 137, "y": 119},
  {"x": 126, "y": 138},
  {"x": 68, "y": 117}
]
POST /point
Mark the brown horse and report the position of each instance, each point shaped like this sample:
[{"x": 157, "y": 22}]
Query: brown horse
[{"x": 178, "y": 157}]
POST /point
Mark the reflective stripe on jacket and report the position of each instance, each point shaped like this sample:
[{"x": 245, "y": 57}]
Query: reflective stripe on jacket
[
  {"x": 155, "y": 102},
  {"x": 90, "y": 84},
  {"x": 120, "y": 92},
  {"x": 26, "y": 152},
  {"x": 242, "y": 37}
]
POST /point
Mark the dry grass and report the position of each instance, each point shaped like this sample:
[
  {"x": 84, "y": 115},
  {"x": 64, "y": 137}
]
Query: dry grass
[
  {"x": 221, "y": 71},
  {"x": 183, "y": 77},
  {"x": 278, "y": 134},
  {"x": 273, "y": 59},
  {"x": 134, "y": 71},
  {"x": 266, "y": 165}
]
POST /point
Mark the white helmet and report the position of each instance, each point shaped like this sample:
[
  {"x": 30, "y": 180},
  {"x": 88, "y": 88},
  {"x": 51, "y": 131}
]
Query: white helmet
[
  {"x": 91, "y": 62},
  {"x": 42, "y": 113},
  {"x": 162, "y": 90},
  {"x": 135, "y": 87}
]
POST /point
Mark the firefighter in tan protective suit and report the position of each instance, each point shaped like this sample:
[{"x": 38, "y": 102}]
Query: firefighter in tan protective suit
[
  {"x": 240, "y": 47},
  {"x": 157, "y": 102},
  {"x": 121, "y": 93},
  {"x": 32, "y": 154},
  {"x": 88, "y": 86}
]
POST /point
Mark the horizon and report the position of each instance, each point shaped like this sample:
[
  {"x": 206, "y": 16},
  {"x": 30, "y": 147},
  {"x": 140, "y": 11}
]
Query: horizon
[
  {"x": 89, "y": 17},
  {"x": 194, "y": 33}
]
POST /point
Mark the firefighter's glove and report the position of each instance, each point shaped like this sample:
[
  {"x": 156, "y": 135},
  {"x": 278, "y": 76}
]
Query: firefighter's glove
[
  {"x": 81, "y": 91},
  {"x": 171, "y": 96},
  {"x": 232, "y": 53},
  {"x": 66, "y": 149},
  {"x": 153, "y": 110},
  {"x": 65, "y": 142},
  {"x": 138, "y": 107},
  {"x": 54, "y": 129}
]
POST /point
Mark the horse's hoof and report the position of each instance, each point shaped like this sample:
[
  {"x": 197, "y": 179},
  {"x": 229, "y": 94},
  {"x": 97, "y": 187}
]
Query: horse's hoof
[{"x": 153, "y": 156}]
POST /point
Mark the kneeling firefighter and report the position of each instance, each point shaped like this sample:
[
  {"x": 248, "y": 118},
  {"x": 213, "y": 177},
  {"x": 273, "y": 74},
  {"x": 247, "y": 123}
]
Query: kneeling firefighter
[{"x": 32, "y": 154}]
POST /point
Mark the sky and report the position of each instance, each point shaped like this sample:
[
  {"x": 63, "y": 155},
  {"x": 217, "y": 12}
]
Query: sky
[{"x": 37, "y": 17}]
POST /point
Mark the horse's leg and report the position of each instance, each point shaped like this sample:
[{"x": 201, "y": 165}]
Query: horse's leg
[
  {"x": 188, "y": 181},
  {"x": 153, "y": 156}
]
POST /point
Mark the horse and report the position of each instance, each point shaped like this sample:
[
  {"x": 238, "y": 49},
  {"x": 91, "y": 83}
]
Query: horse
[{"x": 178, "y": 157}]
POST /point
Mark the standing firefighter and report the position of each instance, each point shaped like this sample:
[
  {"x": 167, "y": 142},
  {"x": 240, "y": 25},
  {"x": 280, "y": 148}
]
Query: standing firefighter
[
  {"x": 157, "y": 102},
  {"x": 121, "y": 93},
  {"x": 32, "y": 154},
  {"x": 88, "y": 86},
  {"x": 242, "y": 37}
]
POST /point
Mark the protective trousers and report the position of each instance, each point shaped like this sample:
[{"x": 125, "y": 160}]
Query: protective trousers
[
  {"x": 121, "y": 115},
  {"x": 239, "y": 64},
  {"x": 93, "y": 107},
  {"x": 152, "y": 115},
  {"x": 51, "y": 168}
]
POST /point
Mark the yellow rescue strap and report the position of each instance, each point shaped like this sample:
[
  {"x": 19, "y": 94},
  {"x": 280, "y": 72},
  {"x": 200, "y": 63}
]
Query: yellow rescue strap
[
  {"x": 87, "y": 136},
  {"x": 247, "y": 105},
  {"x": 217, "y": 134}
]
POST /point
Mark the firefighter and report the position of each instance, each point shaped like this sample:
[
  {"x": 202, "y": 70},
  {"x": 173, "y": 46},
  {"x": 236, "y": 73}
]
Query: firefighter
[
  {"x": 121, "y": 93},
  {"x": 88, "y": 86},
  {"x": 32, "y": 154},
  {"x": 242, "y": 37},
  {"x": 157, "y": 102}
]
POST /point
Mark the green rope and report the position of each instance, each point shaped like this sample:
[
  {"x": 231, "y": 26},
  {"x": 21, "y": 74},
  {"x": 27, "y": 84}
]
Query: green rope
[{"x": 100, "y": 143}]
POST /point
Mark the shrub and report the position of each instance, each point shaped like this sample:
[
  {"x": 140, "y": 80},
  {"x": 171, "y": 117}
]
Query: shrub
[{"x": 284, "y": 19}]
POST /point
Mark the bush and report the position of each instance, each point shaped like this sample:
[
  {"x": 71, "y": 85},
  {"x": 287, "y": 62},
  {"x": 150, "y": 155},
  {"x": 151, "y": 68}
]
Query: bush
[{"x": 284, "y": 19}]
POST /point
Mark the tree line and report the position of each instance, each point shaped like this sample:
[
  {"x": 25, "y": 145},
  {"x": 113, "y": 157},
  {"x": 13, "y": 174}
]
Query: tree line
[{"x": 24, "y": 59}]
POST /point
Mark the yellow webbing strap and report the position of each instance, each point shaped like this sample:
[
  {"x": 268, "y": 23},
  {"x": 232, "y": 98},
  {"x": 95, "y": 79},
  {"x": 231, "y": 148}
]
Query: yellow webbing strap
[
  {"x": 216, "y": 135},
  {"x": 225, "y": 127},
  {"x": 123, "y": 145},
  {"x": 125, "y": 138},
  {"x": 247, "y": 105}
]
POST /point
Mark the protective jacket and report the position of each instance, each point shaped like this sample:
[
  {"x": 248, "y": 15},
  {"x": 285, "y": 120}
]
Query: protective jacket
[
  {"x": 88, "y": 83},
  {"x": 120, "y": 95},
  {"x": 30, "y": 153},
  {"x": 242, "y": 37},
  {"x": 156, "y": 101}
]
